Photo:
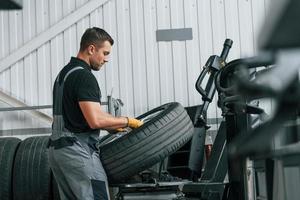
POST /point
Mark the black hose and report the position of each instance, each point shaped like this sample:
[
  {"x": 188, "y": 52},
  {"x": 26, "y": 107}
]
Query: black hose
[
  {"x": 264, "y": 59},
  {"x": 222, "y": 74}
]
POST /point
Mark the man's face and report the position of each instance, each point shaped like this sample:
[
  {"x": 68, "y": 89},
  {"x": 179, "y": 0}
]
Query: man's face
[{"x": 99, "y": 55}]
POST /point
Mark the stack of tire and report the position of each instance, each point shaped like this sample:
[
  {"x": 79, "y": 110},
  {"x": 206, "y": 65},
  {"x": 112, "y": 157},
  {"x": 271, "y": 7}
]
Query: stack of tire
[
  {"x": 8, "y": 147},
  {"x": 24, "y": 166}
]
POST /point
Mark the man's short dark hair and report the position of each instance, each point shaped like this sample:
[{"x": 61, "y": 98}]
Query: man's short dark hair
[{"x": 95, "y": 36}]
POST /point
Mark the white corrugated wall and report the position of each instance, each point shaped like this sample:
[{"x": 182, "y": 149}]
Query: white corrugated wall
[{"x": 37, "y": 41}]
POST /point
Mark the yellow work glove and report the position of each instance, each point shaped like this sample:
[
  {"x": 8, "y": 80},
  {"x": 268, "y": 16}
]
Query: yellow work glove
[
  {"x": 121, "y": 130},
  {"x": 134, "y": 123}
]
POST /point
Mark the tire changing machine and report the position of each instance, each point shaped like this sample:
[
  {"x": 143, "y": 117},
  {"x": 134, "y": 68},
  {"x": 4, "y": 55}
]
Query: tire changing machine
[{"x": 151, "y": 188}]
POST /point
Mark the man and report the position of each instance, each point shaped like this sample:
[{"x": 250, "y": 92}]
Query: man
[{"x": 77, "y": 119}]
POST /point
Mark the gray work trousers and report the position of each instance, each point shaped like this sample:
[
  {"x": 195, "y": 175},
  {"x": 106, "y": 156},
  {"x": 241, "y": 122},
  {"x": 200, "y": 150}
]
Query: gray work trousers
[{"x": 78, "y": 172}]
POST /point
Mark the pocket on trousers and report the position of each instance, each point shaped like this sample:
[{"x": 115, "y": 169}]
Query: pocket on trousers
[
  {"x": 71, "y": 157},
  {"x": 99, "y": 190}
]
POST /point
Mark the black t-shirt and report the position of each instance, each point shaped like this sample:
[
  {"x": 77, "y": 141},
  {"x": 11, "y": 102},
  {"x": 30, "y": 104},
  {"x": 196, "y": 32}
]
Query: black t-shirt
[{"x": 80, "y": 85}]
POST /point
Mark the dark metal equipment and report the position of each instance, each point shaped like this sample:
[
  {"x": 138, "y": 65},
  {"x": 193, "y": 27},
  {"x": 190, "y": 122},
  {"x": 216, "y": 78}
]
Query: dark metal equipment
[
  {"x": 281, "y": 30},
  {"x": 151, "y": 191},
  {"x": 11, "y": 4},
  {"x": 210, "y": 183},
  {"x": 274, "y": 144},
  {"x": 212, "y": 66}
]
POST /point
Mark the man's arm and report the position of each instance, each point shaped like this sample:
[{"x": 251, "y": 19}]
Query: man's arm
[{"x": 98, "y": 119}]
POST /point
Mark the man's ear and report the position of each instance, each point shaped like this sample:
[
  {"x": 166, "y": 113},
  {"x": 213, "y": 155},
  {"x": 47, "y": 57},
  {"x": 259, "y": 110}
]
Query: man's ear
[{"x": 91, "y": 49}]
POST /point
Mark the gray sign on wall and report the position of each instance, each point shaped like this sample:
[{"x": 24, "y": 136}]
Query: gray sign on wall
[{"x": 180, "y": 34}]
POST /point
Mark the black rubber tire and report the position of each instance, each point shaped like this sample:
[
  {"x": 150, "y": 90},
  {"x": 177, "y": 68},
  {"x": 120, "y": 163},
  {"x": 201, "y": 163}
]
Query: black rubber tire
[
  {"x": 8, "y": 148},
  {"x": 32, "y": 176},
  {"x": 54, "y": 189},
  {"x": 147, "y": 145}
]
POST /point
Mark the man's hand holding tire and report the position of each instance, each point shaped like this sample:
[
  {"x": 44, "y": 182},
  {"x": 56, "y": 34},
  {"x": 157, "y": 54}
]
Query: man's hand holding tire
[
  {"x": 134, "y": 123},
  {"x": 131, "y": 123}
]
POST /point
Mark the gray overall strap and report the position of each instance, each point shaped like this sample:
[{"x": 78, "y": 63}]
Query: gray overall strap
[
  {"x": 58, "y": 127},
  {"x": 57, "y": 106}
]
